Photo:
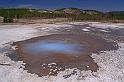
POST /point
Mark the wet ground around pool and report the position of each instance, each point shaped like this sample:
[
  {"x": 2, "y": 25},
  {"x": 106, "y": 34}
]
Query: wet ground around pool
[{"x": 50, "y": 54}]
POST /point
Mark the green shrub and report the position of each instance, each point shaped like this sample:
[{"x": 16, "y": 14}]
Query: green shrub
[{"x": 8, "y": 20}]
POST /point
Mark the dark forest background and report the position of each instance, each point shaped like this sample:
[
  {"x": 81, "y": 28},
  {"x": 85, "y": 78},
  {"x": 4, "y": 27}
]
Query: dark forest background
[{"x": 70, "y": 13}]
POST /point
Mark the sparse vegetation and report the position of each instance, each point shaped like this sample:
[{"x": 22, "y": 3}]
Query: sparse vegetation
[{"x": 70, "y": 13}]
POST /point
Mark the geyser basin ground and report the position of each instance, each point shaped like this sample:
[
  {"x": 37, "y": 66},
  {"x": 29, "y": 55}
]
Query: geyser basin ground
[{"x": 47, "y": 55}]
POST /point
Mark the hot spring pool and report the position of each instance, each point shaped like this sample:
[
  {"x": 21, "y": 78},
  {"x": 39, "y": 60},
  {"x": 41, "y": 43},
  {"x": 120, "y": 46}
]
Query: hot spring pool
[
  {"x": 65, "y": 50},
  {"x": 44, "y": 47}
]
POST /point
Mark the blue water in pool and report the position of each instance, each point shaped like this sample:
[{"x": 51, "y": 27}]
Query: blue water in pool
[{"x": 53, "y": 46}]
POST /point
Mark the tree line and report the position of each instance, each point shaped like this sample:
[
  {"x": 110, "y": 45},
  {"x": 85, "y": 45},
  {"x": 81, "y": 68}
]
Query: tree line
[{"x": 20, "y": 13}]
